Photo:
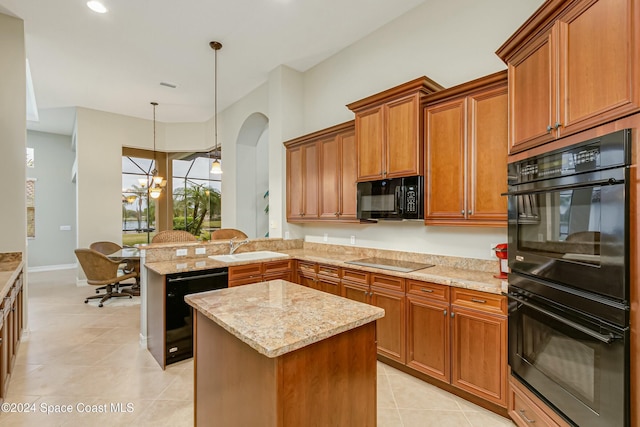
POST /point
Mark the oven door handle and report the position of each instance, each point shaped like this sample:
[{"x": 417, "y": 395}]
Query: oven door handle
[
  {"x": 609, "y": 181},
  {"x": 607, "y": 339}
]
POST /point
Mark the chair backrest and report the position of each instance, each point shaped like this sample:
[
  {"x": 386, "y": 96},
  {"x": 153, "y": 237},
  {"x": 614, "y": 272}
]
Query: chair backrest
[
  {"x": 99, "y": 269},
  {"x": 227, "y": 233},
  {"x": 173, "y": 236},
  {"x": 106, "y": 248}
]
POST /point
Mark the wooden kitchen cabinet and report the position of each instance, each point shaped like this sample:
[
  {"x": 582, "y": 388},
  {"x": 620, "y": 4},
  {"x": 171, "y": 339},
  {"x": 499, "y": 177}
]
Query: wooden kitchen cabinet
[
  {"x": 466, "y": 138},
  {"x": 389, "y": 131},
  {"x": 260, "y": 272},
  {"x": 572, "y": 66},
  {"x": 11, "y": 324},
  {"x": 302, "y": 181},
  {"x": 386, "y": 292},
  {"x": 321, "y": 175},
  {"x": 526, "y": 409},
  {"x": 428, "y": 337},
  {"x": 479, "y": 344}
]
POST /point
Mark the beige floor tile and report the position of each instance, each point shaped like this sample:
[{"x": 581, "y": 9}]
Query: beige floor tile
[
  {"x": 389, "y": 417},
  {"x": 385, "y": 396},
  {"x": 487, "y": 419},
  {"x": 167, "y": 413},
  {"x": 412, "y": 393},
  {"x": 433, "y": 418}
]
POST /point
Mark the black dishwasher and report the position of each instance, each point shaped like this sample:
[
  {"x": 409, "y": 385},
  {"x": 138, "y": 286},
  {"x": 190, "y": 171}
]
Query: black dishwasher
[{"x": 179, "y": 314}]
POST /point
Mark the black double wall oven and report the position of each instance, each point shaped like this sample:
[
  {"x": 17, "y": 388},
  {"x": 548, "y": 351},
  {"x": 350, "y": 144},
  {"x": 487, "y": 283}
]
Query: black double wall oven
[{"x": 569, "y": 281}]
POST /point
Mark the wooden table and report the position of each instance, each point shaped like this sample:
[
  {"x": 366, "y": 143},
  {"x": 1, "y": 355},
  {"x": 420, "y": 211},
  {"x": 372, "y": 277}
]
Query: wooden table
[{"x": 280, "y": 354}]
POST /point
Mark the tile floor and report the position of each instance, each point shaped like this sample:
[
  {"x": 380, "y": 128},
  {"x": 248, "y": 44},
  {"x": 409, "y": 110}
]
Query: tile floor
[{"x": 88, "y": 358}]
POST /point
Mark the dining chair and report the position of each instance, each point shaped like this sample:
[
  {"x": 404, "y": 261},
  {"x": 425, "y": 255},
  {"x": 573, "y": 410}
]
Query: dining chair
[
  {"x": 167, "y": 236},
  {"x": 102, "y": 271},
  {"x": 227, "y": 233}
]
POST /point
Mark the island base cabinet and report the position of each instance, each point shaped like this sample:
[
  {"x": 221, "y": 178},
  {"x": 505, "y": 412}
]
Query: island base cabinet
[{"x": 328, "y": 383}]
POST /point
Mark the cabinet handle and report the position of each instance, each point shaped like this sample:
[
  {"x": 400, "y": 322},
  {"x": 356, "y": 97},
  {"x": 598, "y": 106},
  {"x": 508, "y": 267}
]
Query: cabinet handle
[
  {"x": 549, "y": 128},
  {"x": 426, "y": 290},
  {"x": 453, "y": 314},
  {"x": 336, "y": 214},
  {"x": 445, "y": 312},
  {"x": 462, "y": 212},
  {"x": 557, "y": 125},
  {"x": 527, "y": 419},
  {"x": 470, "y": 212},
  {"x": 479, "y": 301}
]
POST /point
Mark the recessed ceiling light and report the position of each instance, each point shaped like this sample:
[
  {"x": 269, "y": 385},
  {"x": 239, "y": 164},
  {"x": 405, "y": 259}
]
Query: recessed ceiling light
[{"x": 96, "y": 6}]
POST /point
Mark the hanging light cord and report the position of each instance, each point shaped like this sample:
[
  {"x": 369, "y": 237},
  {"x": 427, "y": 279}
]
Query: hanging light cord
[{"x": 155, "y": 160}]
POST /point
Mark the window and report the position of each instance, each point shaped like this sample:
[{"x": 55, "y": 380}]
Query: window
[
  {"x": 31, "y": 208},
  {"x": 30, "y": 157},
  {"x": 138, "y": 215},
  {"x": 196, "y": 196}
]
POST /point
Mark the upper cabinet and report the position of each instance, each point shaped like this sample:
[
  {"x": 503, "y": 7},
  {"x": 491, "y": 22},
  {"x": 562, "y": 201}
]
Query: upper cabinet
[
  {"x": 466, "y": 153},
  {"x": 572, "y": 66},
  {"x": 389, "y": 131},
  {"x": 321, "y": 175}
]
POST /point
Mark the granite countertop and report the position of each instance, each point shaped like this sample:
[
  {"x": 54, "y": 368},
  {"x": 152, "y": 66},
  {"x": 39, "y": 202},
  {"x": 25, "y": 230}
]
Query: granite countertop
[
  {"x": 278, "y": 317},
  {"x": 9, "y": 270},
  {"x": 451, "y": 276}
]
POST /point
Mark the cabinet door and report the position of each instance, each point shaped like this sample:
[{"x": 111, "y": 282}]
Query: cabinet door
[
  {"x": 348, "y": 175},
  {"x": 599, "y": 61},
  {"x": 403, "y": 139},
  {"x": 479, "y": 354},
  {"x": 486, "y": 151},
  {"x": 428, "y": 337},
  {"x": 310, "y": 181},
  {"x": 295, "y": 207},
  {"x": 390, "y": 330},
  {"x": 369, "y": 131},
  {"x": 355, "y": 292},
  {"x": 532, "y": 108},
  {"x": 445, "y": 161},
  {"x": 329, "y": 285},
  {"x": 329, "y": 178}
]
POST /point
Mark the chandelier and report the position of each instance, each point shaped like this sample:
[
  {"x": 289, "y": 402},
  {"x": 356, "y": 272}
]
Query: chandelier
[{"x": 157, "y": 182}]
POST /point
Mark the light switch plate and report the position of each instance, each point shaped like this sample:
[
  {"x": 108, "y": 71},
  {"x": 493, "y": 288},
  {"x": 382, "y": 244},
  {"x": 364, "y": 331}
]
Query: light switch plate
[
  {"x": 181, "y": 252},
  {"x": 353, "y": 240},
  {"x": 201, "y": 251},
  {"x": 65, "y": 228},
  {"x": 325, "y": 237}
]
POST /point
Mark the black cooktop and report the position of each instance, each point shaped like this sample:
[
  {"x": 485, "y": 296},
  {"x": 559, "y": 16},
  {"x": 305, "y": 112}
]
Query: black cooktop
[{"x": 390, "y": 264}]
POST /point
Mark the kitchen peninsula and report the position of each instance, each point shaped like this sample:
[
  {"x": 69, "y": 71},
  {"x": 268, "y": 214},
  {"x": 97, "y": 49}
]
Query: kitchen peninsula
[{"x": 279, "y": 354}]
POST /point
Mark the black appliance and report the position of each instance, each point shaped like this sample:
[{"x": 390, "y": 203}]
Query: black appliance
[
  {"x": 179, "y": 314},
  {"x": 567, "y": 215},
  {"x": 568, "y": 289},
  {"x": 395, "y": 199}
]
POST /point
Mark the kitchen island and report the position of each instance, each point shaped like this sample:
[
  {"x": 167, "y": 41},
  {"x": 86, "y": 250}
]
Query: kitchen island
[{"x": 280, "y": 354}]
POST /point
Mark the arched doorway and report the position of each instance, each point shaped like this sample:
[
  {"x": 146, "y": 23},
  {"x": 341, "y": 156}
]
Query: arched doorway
[{"x": 252, "y": 176}]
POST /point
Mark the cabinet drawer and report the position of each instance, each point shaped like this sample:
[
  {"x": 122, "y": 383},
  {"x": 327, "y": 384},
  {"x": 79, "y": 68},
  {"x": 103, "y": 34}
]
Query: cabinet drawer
[
  {"x": 283, "y": 275},
  {"x": 276, "y": 266},
  {"x": 355, "y": 276},
  {"x": 245, "y": 281},
  {"x": 307, "y": 266},
  {"x": 329, "y": 271},
  {"x": 388, "y": 282},
  {"x": 428, "y": 290},
  {"x": 244, "y": 271},
  {"x": 491, "y": 303}
]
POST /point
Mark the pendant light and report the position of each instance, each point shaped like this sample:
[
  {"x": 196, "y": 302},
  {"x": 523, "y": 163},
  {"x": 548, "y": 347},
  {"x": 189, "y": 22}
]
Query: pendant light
[
  {"x": 216, "y": 167},
  {"x": 157, "y": 182}
]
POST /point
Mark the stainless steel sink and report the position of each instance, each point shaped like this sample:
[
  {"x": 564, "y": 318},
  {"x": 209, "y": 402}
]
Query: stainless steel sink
[{"x": 248, "y": 256}]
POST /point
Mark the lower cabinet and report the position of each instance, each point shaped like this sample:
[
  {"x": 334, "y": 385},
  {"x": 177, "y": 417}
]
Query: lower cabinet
[
  {"x": 459, "y": 338},
  {"x": 11, "y": 323},
  {"x": 386, "y": 292},
  {"x": 526, "y": 409},
  {"x": 260, "y": 272}
]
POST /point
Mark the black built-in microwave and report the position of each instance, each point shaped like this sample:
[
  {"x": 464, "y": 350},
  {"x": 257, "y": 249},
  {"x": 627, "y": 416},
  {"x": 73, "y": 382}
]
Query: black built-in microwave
[{"x": 395, "y": 199}]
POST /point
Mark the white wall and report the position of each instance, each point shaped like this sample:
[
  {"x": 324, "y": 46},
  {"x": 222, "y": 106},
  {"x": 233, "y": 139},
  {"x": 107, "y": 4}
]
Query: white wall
[
  {"x": 262, "y": 184},
  {"x": 55, "y": 200},
  {"x": 13, "y": 113}
]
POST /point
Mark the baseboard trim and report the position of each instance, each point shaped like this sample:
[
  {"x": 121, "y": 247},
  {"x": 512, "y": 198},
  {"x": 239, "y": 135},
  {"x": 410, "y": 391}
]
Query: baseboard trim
[{"x": 51, "y": 268}]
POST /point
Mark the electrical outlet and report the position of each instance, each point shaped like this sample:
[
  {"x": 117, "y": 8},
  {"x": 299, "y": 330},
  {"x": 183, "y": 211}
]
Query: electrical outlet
[
  {"x": 65, "y": 228},
  {"x": 286, "y": 235},
  {"x": 201, "y": 264},
  {"x": 353, "y": 240},
  {"x": 325, "y": 237},
  {"x": 201, "y": 251},
  {"x": 181, "y": 252}
]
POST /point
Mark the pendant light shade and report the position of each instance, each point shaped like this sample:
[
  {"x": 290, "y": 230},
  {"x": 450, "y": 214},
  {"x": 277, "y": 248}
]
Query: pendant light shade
[
  {"x": 216, "y": 167},
  {"x": 157, "y": 182}
]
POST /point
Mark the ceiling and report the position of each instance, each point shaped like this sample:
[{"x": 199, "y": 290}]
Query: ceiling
[{"x": 116, "y": 61}]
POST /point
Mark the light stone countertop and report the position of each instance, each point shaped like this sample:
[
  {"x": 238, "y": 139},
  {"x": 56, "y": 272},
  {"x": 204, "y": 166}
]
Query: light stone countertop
[
  {"x": 10, "y": 267},
  {"x": 278, "y": 317},
  {"x": 444, "y": 275}
]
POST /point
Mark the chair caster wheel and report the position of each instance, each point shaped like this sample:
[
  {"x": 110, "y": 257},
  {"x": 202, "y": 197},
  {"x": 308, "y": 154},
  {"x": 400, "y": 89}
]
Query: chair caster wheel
[
  {"x": 130, "y": 297},
  {"x": 86, "y": 301},
  {"x": 100, "y": 305}
]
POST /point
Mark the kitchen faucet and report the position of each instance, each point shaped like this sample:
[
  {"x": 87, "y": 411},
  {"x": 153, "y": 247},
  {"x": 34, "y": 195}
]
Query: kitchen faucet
[{"x": 235, "y": 245}]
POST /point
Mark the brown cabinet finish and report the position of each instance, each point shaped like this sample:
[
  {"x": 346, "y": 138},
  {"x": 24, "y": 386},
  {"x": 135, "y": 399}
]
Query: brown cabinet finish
[
  {"x": 526, "y": 409},
  {"x": 562, "y": 79},
  {"x": 466, "y": 137},
  {"x": 321, "y": 170},
  {"x": 389, "y": 131},
  {"x": 260, "y": 272}
]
